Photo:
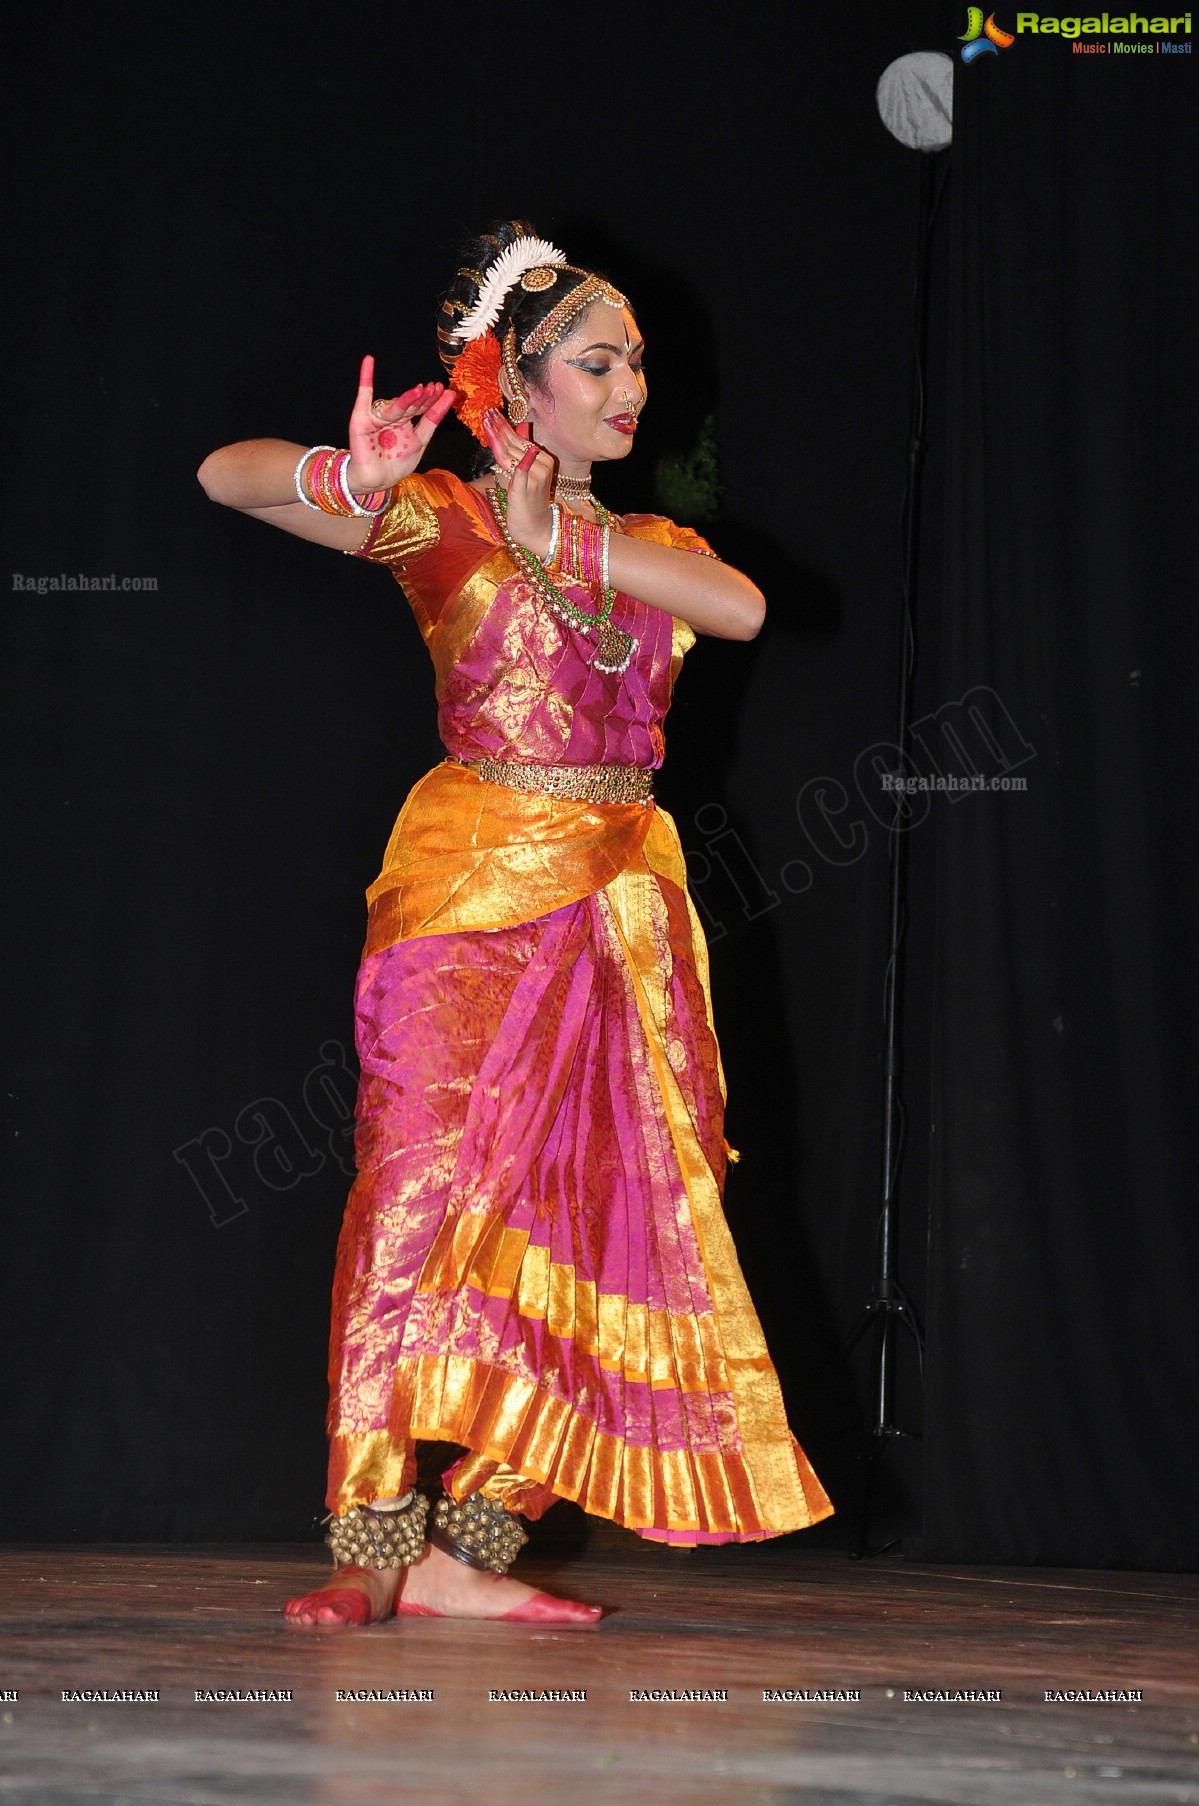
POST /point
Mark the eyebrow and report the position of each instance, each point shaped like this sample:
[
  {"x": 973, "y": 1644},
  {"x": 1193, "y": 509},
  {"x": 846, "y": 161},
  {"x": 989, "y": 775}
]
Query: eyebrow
[{"x": 616, "y": 350}]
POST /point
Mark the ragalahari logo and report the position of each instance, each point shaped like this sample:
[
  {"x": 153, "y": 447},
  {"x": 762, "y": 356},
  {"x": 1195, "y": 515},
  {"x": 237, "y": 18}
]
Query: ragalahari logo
[{"x": 983, "y": 36}]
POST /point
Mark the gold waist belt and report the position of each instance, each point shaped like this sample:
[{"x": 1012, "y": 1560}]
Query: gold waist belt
[{"x": 574, "y": 783}]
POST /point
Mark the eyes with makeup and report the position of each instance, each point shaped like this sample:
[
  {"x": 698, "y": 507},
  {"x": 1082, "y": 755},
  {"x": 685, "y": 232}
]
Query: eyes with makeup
[
  {"x": 602, "y": 369},
  {"x": 599, "y": 363}
]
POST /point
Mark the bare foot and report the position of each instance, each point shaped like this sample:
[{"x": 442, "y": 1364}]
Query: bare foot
[
  {"x": 351, "y": 1596},
  {"x": 444, "y": 1588}
]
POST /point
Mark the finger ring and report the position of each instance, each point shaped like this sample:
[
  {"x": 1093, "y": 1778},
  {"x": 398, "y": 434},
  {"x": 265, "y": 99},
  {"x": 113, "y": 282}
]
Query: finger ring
[
  {"x": 529, "y": 458},
  {"x": 377, "y": 409}
]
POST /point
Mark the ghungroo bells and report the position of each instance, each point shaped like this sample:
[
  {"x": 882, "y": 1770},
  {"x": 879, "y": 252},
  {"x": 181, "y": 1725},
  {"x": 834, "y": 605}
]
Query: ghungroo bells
[
  {"x": 365, "y": 1537},
  {"x": 478, "y": 1531}
]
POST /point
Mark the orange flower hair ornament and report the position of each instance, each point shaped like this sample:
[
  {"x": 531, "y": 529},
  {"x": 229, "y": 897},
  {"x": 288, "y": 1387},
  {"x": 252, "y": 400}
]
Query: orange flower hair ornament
[{"x": 476, "y": 377}]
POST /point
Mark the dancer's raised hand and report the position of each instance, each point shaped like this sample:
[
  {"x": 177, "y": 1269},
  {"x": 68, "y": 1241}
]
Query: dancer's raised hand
[{"x": 388, "y": 438}]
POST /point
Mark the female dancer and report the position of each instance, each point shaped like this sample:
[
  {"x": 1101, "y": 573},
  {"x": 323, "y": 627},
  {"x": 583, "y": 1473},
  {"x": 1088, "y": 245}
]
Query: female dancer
[{"x": 534, "y": 1263}]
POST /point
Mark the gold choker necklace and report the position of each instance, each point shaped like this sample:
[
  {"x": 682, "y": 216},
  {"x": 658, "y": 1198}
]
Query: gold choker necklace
[{"x": 573, "y": 489}]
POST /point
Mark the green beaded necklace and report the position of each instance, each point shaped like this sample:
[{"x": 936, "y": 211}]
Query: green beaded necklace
[{"x": 613, "y": 647}]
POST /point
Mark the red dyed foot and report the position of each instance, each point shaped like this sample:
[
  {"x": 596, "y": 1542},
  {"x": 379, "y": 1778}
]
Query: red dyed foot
[
  {"x": 543, "y": 1608},
  {"x": 438, "y": 1586},
  {"x": 330, "y": 1605}
]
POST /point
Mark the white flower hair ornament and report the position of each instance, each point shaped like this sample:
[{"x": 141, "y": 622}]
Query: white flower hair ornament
[{"x": 500, "y": 277}]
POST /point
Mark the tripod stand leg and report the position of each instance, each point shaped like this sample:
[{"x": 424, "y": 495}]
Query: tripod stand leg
[
  {"x": 858, "y": 1546},
  {"x": 879, "y": 1350}
]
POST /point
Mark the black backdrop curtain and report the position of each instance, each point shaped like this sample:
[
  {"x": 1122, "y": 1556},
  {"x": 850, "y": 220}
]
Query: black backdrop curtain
[
  {"x": 210, "y": 238},
  {"x": 1062, "y": 1369}
]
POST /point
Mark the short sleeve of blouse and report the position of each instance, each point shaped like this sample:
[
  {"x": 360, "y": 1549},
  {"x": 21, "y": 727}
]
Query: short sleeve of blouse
[
  {"x": 432, "y": 535},
  {"x": 406, "y": 530},
  {"x": 686, "y": 539},
  {"x": 663, "y": 532}
]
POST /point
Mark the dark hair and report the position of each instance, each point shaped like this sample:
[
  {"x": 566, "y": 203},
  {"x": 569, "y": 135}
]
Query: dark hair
[{"x": 523, "y": 308}]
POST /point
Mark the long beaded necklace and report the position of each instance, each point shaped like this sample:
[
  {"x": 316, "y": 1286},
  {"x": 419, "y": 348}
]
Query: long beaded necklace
[{"x": 614, "y": 648}]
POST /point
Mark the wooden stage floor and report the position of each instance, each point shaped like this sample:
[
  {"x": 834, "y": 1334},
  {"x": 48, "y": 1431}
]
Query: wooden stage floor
[{"x": 715, "y": 1622}]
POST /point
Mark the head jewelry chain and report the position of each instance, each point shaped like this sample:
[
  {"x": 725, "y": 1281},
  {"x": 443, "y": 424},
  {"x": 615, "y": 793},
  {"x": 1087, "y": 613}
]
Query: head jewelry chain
[{"x": 470, "y": 350}]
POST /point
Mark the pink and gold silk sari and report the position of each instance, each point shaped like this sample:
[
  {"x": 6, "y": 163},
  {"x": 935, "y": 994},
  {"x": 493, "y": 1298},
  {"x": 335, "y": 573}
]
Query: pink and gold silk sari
[{"x": 534, "y": 1261}]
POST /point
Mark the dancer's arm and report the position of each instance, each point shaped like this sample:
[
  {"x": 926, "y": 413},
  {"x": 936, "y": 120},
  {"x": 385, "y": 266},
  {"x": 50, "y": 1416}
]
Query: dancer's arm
[{"x": 257, "y": 476}]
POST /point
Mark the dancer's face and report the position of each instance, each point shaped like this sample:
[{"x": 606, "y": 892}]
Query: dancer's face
[{"x": 587, "y": 401}]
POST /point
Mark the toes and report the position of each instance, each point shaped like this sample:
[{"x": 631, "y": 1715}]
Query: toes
[{"x": 312, "y": 1609}]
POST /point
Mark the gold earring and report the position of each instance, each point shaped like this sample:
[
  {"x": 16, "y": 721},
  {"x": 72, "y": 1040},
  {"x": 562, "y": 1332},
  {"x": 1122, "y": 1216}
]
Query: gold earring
[{"x": 518, "y": 401}]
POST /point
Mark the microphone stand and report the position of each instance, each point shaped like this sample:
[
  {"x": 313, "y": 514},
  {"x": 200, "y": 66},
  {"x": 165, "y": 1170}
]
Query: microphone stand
[{"x": 889, "y": 1308}]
